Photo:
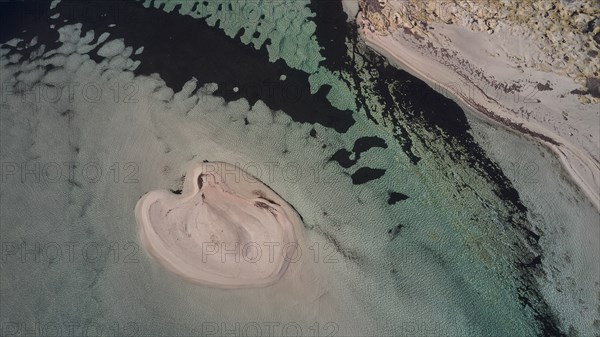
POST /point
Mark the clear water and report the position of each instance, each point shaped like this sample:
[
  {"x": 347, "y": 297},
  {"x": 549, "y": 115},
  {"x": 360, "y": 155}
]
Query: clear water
[{"x": 447, "y": 261}]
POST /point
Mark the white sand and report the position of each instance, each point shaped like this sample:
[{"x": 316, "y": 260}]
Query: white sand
[
  {"x": 469, "y": 66},
  {"x": 227, "y": 229}
]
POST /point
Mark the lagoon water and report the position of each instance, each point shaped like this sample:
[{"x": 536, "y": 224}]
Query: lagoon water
[{"x": 480, "y": 243}]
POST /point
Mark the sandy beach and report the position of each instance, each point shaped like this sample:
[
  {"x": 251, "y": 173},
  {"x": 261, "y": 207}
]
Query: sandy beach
[{"x": 542, "y": 107}]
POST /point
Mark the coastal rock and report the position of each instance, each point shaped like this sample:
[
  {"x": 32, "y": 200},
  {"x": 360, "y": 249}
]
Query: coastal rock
[{"x": 559, "y": 30}]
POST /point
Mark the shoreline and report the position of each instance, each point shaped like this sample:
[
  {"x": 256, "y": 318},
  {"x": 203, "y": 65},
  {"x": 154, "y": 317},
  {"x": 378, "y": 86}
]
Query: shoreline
[
  {"x": 216, "y": 206},
  {"x": 583, "y": 170}
]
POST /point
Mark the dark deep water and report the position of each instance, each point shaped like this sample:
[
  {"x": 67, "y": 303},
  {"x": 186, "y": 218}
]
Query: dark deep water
[{"x": 171, "y": 50}]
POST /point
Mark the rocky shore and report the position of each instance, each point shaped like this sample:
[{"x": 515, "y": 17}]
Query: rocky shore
[
  {"x": 565, "y": 35},
  {"x": 531, "y": 66}
]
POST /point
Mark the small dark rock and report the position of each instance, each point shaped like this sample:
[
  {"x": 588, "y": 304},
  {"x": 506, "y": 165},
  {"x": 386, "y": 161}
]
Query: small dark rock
[
  {"x": 544, "y": 87},
  {"x": 395, "y": 231},
  {"x": 579, "y": 92},
  {"x": 591, "y": 26},
  {"x": 593, "y": 86}
]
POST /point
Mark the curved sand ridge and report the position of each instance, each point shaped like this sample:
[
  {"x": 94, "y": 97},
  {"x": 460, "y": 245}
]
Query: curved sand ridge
[{"x": 227, "y": 229}]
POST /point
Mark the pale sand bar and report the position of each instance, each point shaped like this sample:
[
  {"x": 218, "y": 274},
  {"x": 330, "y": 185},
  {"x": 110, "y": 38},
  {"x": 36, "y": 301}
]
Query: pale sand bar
[{"x": 226, "y": 229}]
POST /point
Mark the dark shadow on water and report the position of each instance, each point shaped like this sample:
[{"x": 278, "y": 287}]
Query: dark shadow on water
[{"x": 179, "y": 47}]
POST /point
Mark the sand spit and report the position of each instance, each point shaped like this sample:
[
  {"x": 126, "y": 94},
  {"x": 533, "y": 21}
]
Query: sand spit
[
  {"x": 538, "y": 104},
  {"x": 226, "y": 229}
]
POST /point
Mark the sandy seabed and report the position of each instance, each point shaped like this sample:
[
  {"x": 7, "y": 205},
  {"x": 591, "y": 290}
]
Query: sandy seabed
[{"x": 363, "y": 281}]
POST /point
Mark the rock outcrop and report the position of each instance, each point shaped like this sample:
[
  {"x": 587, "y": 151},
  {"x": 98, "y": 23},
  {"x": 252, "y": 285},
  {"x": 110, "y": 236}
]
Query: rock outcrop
[{"x": 564, "y": 35}]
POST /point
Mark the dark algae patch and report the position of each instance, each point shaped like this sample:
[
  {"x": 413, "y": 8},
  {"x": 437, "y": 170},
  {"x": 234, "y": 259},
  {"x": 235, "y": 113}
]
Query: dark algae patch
[
  {"x": 361, "y": 145},
  {"x": 342, "y": 157},
  {"x": 365, "y": 174},
  {"x": 364, "y": 144},
  {"x": 211, "y": 56},
  {"x": 394, "y": 197}
]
